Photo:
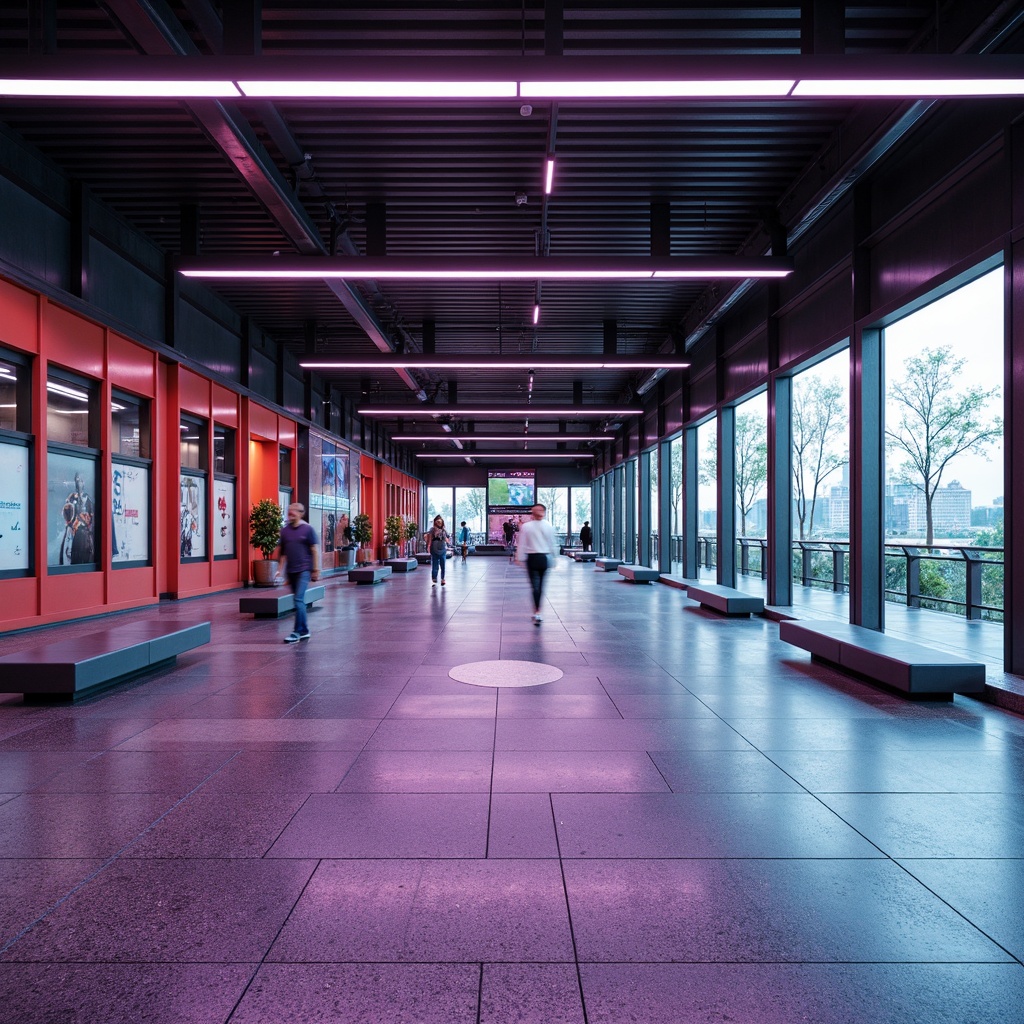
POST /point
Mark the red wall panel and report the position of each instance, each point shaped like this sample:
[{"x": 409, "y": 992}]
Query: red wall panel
[
  {"x": 19, "y": 318},
  {"x": 72, "y": 342}
]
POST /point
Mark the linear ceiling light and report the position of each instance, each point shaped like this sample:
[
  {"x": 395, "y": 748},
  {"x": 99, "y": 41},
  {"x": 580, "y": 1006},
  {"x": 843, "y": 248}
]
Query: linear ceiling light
[
  {"x": 502, "y": 437},
  {"x": 505, "y": 455},
  {"x": 751, "y": 76},
  {"x": 497, "y": 268},
  {"x": 534, "y": 361},
  {"x": 549, "y": 174},
  {"x": 509, "y": 412}
]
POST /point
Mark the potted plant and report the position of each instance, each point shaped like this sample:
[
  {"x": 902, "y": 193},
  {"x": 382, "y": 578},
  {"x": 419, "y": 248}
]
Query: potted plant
[
  {"x": 412, "y": 529},
  {"x": 265, "y": 521},
  {"x": 362, "y": 534},
  {"x": 394, "y": 534}
]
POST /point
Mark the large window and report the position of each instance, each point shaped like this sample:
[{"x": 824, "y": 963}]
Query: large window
[
  {"x": 557, "y": 501},
  {"x": 944, "y": 452},
  {"x": 471, "y": 506},
  {"x": 675, "y": 483},
  {"x": 130, "y": 480},
  {"x": 707, "y": 495},
  {"x": 580, "y": 509},
  {"x": 15, "y": 467},
  {"x": 821, "y": 485},
  {"x": 652, "y": 504}
]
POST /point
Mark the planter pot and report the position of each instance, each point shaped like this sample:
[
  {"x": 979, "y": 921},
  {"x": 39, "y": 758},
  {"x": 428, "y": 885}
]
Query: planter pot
[
  {"x": 264, "y": 571},
  {"x": 363, "y": 555}
]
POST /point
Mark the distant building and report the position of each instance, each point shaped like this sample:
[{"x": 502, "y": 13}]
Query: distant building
[{"x": 906, "y": 514}]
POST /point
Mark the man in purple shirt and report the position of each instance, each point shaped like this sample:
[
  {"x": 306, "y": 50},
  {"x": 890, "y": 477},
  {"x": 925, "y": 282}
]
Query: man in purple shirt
[{"x": 299, "y": 554}]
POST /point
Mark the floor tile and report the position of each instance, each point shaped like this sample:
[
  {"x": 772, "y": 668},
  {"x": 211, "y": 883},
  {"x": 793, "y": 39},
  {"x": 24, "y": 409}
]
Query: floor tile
[
  {"x": 702, "y": 825},
  {"x": 121, "y": 993},
  {"x": 433, "y": 734},
  {"x": 521, "y": 825},
  {"x": 764, "y": 911},
  {"x": 783, "y": 993},
  {"x": 607, "y": 734},
  {"x": 576, "y": 772},
  {"x": 386, "y": 825},
  {"x": 178, "y": 734},
  {"x": 281, "y": 771},
  {"x": 362, "y": 994},
  {"x": 453, "y": 911},
  {"x": 415, "y": 771},
  {"x": 531, "y": 992},
  {"x": 722, "y": 771},
  {"x": 32, "y": 887},
  {"x": 550, "y": 705},
  {"x": 129, "y": 771},
  {"x": 167, "y": 911}
]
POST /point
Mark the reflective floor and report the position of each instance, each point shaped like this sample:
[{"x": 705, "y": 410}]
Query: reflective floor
[{"x": 693, "y": 824}]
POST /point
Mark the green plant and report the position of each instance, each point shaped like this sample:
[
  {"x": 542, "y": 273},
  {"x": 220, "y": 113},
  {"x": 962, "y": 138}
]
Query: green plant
[
  {"x": 394, "y": 530},
  {"x": 412, "y": 528},
  {"x": 362, "y": 529},
  {"x": 265, "y": 521}
]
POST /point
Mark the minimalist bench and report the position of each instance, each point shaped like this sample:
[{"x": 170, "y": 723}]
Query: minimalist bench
[
  {"x": 80, "y": 666},
  {"x": 607, "y": 564},
  {"x": 422, "y": 557},
  {"x": 725, "y": 599},
  {"x": 369, "y": 574},
  {"x": 678, "y": 582},
  {"x": 584, "y": 556},
  {"x": 273, "y": 606},
  {"x": 400, "y": 564},
  {"x": 639, "y": 573},
  {"x": 898, "y": 664}
]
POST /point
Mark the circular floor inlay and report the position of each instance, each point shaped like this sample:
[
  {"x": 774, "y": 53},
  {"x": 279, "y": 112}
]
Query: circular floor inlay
[{"x": 505, "y": 673}]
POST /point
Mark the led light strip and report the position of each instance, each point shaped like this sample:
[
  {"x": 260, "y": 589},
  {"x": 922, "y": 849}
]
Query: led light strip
[
  {"x": 508, "y": 412},
  {"x": 537, "y": 361}
]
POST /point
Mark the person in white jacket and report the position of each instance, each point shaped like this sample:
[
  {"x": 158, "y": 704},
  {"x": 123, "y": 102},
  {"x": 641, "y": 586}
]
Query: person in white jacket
[{"x": 537, "y": 548}]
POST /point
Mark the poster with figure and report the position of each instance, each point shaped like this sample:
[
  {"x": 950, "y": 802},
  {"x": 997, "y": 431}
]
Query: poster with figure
[
  {"x": 224, "y": 517},
  {"x": 70, "y": 509},
  {"x": 193, "y": 516},
  {"x": 14, "y": 491},
  {"x": 129, "y": 495}
]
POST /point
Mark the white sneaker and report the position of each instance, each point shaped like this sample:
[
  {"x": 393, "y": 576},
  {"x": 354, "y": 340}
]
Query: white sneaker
[{"x": 537, "y": 619}]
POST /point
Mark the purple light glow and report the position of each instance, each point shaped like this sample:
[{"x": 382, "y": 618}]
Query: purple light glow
[
  {"x": 379, "y": 90},
  {"x": 654, "y": 89}
]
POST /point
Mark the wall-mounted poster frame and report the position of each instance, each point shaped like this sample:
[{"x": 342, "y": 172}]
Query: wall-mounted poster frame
[
  {"x": 223, "y": 531},
  {"x": 193, "y": 530},
  {"x": 15, "y": 520},
  {"x": 130, "y": 491},
  {"x": 71, "y": 490}
]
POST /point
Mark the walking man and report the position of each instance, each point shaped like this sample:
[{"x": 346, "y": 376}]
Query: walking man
[
  {"x": 537, "y": 547},
  {"x": 464, "y": 539},
  {"x": 299, "y": 554}
]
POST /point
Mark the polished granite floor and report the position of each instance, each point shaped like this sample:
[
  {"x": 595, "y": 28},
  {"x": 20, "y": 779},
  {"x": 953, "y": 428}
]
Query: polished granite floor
[{"x": 692, "y": 824}]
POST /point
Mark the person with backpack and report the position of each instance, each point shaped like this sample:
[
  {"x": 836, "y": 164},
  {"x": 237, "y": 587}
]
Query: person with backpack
[
  {"x": 464, "y": 538},
  {"x": 438, "y": 539}
]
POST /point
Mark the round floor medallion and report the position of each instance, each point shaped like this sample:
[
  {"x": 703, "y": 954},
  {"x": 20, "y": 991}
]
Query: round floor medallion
[{"x": 505, "y": 673}]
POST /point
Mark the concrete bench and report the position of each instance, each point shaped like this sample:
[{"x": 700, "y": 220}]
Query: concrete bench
[
  {"x": 678, "y": 582},
  {"x": 607, "y": 564},
  {"x": 584, "y": 556},
  {"x": 639, "y": 573},
  {"x": 400, "y": 564},
  {"x": 422, "y": 557},
  {"x": 725, "y": 599},
  {"x": 899, "y": 664},
  {"x": 274, "y": 605},
  {"x": 369, "y": 574},
  {"x": 80, "y": 666}
]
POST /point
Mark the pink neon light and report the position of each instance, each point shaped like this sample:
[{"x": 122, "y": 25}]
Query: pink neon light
[
  {"x": 536, "y": 315},
  {"x": 380, "y": 90},
  {"x": 549, "y": 177},
  {"x": 654, "y": 89},
  {"x": 910, "y": 87},
  {"x": 428, "y": 274},
  {"x": 116, "y": 88}
]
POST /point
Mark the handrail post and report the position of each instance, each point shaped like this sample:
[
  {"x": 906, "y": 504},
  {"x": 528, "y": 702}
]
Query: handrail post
[
  {"x": 763, "y": 541},
  {"x": 913, "y": 558},
  {"x": 744, "y": 556},
  {"x": 806, "y": 558},
  {"x": 974, "y": 565},
  {"x": 838, "y": 565}
]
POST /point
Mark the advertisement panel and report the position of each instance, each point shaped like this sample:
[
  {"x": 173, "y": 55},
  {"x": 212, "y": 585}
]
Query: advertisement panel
[
  {"x": 14, "y": 492},
  {"x": 129, "y": 491},
  {"x": 70, "y": 512}
]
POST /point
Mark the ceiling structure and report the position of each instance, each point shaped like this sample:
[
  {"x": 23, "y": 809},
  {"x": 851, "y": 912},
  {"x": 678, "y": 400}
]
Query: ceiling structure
[{"x": 428, "y": 183}]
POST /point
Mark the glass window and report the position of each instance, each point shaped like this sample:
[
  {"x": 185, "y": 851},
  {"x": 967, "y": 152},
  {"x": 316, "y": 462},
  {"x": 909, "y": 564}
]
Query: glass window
[
  {"x": 193, "y": 443},
  {"x": 707, "y": 494},
  {"x": 581, "y": 508},
  {"x": 223, "y": 517},
  {"x": 439, "y": 503},
  {"x": 15, "y": 393},
  {"x": 944, "y": 451},
  {"x": 284, "y": 468},
  {"x": 130, "y": 490},
  {"x": 471, "y": 506},
  {"x": 69, "y": 402},
  {"x": 223, "y": 449},
  {"x": 71, "y": 509},
  {"x": 129, "y": 426},
  {"x": 652, "y": 504},
  {"x": 193, "y": 515},
  {"x": 557, "y": 501},
  {"x": 676, "y": 492}
]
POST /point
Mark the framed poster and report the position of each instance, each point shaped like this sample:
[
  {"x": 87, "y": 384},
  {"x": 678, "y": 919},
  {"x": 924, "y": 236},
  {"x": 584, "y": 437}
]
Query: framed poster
[
  {"x": 70, "y": 509},
  {"x": 14, "y": 518},
  {"x": 129, "y": 496},
  {"x": 223, "y": 518},
  {"x": 193, "y": 515}
]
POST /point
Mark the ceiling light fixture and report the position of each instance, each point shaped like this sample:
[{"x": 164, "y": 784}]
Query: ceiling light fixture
[
  {"x": 484, "y": 361},
  {"x": 449, "y": 268},
  {"x": 505, "y": 438},
  {"x": 536, "y": 313},
  {"x": 549, "y": 175},
  {"x": 509, "y": 412},
  {"x": 739, "y": 77},
  {"x": 526, "y": 456}
]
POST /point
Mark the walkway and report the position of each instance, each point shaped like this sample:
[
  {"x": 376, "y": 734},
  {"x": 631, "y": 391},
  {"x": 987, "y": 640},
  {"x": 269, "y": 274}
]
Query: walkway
[{"x": 693, "y": 824}]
